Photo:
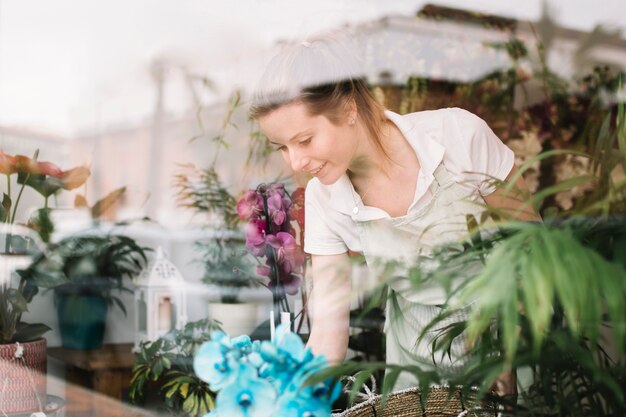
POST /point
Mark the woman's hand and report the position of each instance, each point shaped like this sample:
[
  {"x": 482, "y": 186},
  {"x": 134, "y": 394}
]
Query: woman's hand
[
  {"x": 329, "y": 306},
  {"x": 514, "y": 202}
]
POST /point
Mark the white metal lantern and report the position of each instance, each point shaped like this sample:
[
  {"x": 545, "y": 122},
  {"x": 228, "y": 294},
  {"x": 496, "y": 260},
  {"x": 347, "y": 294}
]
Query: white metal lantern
[{"x": 160, "y": 300}]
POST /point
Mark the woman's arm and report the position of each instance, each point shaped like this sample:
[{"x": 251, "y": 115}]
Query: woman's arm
[
  {"x": 329, "y": 306},
  {"x": 512, "y": 203}
]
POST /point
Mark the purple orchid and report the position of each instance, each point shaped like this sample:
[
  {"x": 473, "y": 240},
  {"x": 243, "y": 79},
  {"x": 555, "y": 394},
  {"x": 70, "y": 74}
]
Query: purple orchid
[
  {"x": 250, "y": 206},
  {"x": 291, "y": 284},
  {"x": 270, "y": 236},
  {"x": 284, "y": 244},
  {"x": 277, "y": 188},
  {"x": 263, "y": 270},
  {"x": 255, "y": 237},
  {"x": 276, "y": 209}
]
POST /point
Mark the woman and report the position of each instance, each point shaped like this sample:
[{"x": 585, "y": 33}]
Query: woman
[{"x": 385, "y": 185}]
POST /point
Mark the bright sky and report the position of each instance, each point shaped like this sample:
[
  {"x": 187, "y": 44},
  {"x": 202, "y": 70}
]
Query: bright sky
[{"x": 69, "y": 66}]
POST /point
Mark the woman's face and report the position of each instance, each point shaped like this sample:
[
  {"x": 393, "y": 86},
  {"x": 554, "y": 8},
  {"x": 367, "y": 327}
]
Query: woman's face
[{"x": 312, "y": 144}]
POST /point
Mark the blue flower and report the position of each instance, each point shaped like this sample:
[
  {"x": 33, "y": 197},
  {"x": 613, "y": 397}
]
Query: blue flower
[
  {"x": 242, "y": 343},
  {"x": 293, "y": 405},
  {"x": 216, "y": 362},
  {"x": 291, "y": 344},
  {"x": 327, "y": 390},
  {"x": 264, "y": 379},
  {"x": 300, "y": 400},
  {"x": 248, "y": 396}
]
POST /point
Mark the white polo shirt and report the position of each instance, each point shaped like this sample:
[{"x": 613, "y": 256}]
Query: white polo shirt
[{"x": 460, "y": 140}]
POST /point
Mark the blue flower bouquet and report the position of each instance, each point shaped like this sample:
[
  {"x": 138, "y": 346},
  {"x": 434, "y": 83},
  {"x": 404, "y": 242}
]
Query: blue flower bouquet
[{"x": 264, "y": 379}]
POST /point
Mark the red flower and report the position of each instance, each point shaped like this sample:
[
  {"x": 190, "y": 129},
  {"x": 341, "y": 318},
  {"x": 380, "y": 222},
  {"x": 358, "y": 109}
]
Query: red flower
[
  {"x": 48, "y": 168},
  {"x": 296, "y": 211},
  {"x": 24, "y": 164},
  {"x": 7, "y": 164}
]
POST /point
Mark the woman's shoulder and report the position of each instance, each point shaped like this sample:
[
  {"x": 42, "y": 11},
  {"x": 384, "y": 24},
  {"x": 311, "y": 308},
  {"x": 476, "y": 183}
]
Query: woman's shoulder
[
  {"x": 444, "y": 125},
  {"x": 316, "y": 192},
  {"x": 441, "y": 115}
]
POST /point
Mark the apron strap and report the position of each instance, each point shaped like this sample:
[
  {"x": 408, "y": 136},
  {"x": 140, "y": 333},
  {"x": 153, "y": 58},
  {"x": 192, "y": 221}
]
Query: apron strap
[{"x": 442, "y": 176}]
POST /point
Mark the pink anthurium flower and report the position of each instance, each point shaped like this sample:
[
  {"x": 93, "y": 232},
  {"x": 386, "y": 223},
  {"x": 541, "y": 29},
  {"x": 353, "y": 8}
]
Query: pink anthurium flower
[
  {"x": 49, "y": 169},
  {"x": 7, "y": 164}
]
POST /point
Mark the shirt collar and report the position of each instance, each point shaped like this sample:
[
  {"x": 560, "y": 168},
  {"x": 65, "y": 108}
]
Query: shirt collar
[{"x": 429, "y": 154}]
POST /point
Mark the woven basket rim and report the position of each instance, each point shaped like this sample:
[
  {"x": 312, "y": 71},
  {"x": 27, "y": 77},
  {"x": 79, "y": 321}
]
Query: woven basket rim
[{"x": 412, "y": 390}]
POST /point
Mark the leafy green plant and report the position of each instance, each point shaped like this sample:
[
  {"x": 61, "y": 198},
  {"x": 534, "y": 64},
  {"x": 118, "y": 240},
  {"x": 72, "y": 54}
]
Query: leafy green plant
[
  {"x": 541, "y": 302},
  {"x": 203, "y": 191},
  {"x": 18, "y": 246},
  {"x": 168, "y": 363},
  {"x": 89, "y": 265},
  {"x": 227, "y": 266}
]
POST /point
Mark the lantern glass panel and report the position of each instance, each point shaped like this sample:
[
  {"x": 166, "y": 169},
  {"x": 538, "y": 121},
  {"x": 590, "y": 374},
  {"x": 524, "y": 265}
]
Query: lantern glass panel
[{"x": 142, "y": 311}]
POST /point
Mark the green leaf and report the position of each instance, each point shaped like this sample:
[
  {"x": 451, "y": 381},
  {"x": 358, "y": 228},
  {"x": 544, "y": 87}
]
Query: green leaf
[
  {"x": 5, "y": 208},
  {"x": 29, "y": 291},
  {"x": 359, "y": 381},
  {"x": 43, "y": 184},
  {"x": 389, "y": 382},
  {"x": 17, "y": 300},
  {"x": 157, "y": 370},
  {"x": 120, "y": 304},
  {"x": 190, "y": 404},
  {"x": 42, "y": 223},
  {"x": 171, "y": 387},
  {"x": 25, "y": 332},
  {"x": 184, "y": 389}
]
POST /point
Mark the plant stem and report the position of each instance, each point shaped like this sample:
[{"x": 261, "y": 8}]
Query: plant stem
[
  {"x": 19, "y": 196},
  {"x": 303, "y": 313},
  {"x": 273, "y": 261}
]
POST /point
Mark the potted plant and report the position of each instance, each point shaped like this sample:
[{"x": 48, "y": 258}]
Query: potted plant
[
  {"x": 168, "y": 363},
  {"x": 274, "y": 224},
  {"x": 22, "y": 349},
  {"x": 87, "y": 273},
  {"x": 228, "y": 270}
]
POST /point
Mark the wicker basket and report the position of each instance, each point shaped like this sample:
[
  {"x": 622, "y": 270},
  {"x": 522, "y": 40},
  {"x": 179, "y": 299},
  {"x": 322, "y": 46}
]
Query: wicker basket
[{"x": 441, "y": 402}]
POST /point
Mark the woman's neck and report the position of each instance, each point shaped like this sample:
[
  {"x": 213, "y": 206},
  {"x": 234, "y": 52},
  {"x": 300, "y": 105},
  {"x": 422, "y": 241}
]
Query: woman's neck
[{"x": 370, "y": 161}]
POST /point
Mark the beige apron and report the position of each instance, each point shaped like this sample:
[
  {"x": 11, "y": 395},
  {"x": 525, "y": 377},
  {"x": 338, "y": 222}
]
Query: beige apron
[{"x": 402, "y": 239}]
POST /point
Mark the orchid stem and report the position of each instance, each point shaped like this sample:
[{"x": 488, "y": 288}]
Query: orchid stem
[{"x": 273, "y": 263}]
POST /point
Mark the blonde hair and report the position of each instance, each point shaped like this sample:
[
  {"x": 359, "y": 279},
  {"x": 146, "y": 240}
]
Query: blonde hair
[{"x": 325, "y": 76}]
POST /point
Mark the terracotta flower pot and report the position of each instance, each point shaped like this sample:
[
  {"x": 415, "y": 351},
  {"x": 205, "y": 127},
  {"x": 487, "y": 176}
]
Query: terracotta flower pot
[{"x": 23, "y": 380}]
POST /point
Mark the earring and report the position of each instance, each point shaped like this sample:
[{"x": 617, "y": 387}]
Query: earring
[{"x": 352, "y": 122}]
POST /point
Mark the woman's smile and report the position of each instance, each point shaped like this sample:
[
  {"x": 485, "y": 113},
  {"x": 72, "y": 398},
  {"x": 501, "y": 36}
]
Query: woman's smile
[{"x": 317, "y": 170}]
